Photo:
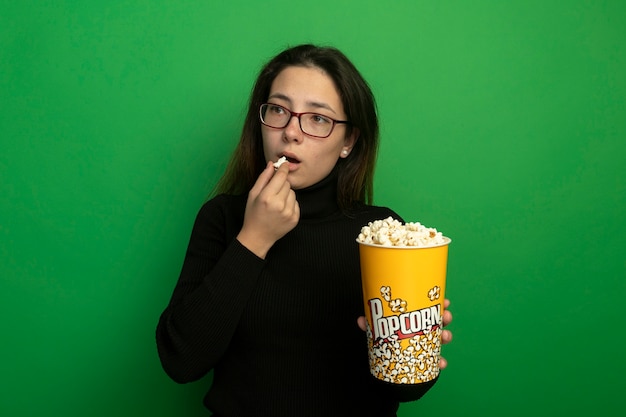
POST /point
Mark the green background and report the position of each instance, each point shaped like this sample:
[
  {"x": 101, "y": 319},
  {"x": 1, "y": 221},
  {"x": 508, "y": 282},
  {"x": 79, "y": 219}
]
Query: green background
[{"x": 503, "y": 125}]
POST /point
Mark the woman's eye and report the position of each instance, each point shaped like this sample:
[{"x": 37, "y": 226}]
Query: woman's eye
[
  {"x": 319, "y": 119},
  {"x": 276, "y": 109}
]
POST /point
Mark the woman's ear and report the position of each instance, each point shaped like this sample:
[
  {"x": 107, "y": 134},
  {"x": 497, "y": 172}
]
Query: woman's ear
[{"x": 349, "y": 142}]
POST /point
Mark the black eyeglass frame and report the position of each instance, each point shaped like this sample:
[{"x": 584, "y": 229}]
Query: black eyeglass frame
[{"x": 299, "y": 115}]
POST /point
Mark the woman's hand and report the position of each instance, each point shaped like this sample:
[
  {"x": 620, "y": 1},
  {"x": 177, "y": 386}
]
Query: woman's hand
[
  {"x": 271, "y": 211},
  {"x": 446, "y": 335}
]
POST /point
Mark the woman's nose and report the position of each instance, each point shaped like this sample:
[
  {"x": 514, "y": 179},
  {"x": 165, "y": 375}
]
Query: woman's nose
[{"x": 292, "y": 130}]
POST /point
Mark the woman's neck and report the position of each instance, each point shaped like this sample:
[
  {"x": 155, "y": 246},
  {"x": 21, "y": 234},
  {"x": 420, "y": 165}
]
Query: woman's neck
[{"x": 319, "y": 200}]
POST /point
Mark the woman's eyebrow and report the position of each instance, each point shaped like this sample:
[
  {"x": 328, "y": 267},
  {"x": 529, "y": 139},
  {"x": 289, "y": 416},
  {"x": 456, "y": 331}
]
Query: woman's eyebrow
[
  {"x": 320, "y": 106},
  {"x": 315, "y": 104},
  {"x": 279, "y": 96}
]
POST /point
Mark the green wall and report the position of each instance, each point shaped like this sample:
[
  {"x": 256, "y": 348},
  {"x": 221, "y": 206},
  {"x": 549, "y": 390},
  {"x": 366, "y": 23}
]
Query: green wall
[{"x": 503, "y": 125}]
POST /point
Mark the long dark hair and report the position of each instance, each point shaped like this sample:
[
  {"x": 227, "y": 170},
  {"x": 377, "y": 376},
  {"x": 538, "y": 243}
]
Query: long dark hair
[{"x": 356, "y": 172}]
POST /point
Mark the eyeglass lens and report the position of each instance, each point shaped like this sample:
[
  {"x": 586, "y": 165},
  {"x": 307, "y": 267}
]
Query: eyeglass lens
[{"x": 313, "y": 124}]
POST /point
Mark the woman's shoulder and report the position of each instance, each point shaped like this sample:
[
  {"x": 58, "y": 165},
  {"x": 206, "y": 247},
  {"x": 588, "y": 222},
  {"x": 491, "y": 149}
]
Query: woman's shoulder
[
  {"x": 369, "y": 213},
  {"x": 223, "y": 205},
  {"x": 224, "y": 200}
]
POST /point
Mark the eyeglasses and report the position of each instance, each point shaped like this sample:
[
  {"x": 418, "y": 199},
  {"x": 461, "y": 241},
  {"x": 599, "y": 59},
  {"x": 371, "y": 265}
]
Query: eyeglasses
[{"x": 312, "y": 124}]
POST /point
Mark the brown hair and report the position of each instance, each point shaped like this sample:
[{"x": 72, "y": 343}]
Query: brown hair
[{"x": 356, "y": 172}]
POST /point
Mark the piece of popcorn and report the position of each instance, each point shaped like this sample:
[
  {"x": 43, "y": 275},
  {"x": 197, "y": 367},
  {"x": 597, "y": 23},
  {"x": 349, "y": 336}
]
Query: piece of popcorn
[
  {"x": 278, "y": 163},
  {"x": 391, "y": 232}
]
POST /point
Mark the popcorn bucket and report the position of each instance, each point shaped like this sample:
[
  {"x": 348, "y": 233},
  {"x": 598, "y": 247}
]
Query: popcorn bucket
[{"x": 403, "y": 292}]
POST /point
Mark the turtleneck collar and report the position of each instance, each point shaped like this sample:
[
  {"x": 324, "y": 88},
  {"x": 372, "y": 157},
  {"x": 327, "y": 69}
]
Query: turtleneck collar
[{"x": 319, "y": 200}]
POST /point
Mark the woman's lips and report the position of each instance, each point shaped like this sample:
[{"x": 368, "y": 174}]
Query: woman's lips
[{"x": 291, "y": 158}]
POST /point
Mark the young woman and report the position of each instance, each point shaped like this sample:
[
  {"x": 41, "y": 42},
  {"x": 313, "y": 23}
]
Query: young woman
[{"x": 269, "y": 295}]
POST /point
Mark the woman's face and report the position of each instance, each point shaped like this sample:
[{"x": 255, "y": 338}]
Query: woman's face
[{"x": 311, "y": 159}]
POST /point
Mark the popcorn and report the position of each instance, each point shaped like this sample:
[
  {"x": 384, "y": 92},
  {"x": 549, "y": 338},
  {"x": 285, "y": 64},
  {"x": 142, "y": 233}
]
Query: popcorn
[
  {"x": 391, "y": 232},
  {"x": 278, "y": 163},
  {"x": 433, "y": 294}
]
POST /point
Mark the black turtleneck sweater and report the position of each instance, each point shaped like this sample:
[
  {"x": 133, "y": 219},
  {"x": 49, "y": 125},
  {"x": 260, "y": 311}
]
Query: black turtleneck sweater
[{"x": 280, "y": 334}]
